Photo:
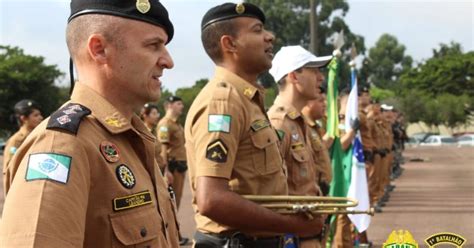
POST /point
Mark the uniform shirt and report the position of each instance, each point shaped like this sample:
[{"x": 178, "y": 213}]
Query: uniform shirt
[
  {"x": 378, "y": 134},
  {"x": 367, "y": 131},
  {"x": 171, "y": 133},
  {"x": 12, "y": 145},
  {"x": 320, "y": 152},
  {"x": 158, "y": 157},
  {"x": 229, "y": 136},
  {"x": 295, "y": 147},
  {"x": 99, "y": 187}
]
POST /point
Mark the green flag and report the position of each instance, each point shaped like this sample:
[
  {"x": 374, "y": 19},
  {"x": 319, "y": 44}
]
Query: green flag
[{"x": 332, "y": 125}]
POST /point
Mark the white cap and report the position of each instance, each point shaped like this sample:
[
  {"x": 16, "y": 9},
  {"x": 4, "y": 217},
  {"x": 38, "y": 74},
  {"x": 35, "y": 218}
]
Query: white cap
[
  {"x": 291, "y": 58},
  {"x": 386, "y": 107}
]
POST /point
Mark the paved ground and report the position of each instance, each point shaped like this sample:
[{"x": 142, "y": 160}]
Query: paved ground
[{"x": 432, "y": 196}]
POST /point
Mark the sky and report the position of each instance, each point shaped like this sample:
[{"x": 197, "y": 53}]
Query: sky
[{"x": 38, "y": 27}]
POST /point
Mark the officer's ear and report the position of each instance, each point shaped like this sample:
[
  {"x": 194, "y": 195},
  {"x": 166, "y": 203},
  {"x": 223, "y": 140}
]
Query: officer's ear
[
  {"x": 292, "y": 77},
  {"x": 96, "y": 48},
  {"x": 228, "y": 44}
]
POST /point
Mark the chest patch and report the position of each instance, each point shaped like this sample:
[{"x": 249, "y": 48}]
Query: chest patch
[
  {"x": 259, "y": 124},
  {"x": 125, "y": 176},
  {"x": 110, "y": 151},
  {"x": 132, "y": 201}
]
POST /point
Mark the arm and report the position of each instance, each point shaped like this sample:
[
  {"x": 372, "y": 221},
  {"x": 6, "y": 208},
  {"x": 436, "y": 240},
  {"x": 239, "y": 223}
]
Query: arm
[
  {"x": 217, "y": 202},
  {"x": 42, "y": 212}
]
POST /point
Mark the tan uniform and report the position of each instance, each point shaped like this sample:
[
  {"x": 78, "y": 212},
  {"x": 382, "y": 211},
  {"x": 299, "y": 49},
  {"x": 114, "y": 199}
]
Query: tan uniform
[
  {"x": 368, "y": 135},
  {"x": 378, "y": 135},
  {"x": 295, "y": 147},
  {"x": 321, "y": 153},
  {"x": 93, "y": 185},
  {"x": 171, "y": 133},
  {"x": 297, "y": 151},
  {"x": 387, "y": 141},
  {"x": 229, "y": 136},
  {"x": 12, "y": 145}
]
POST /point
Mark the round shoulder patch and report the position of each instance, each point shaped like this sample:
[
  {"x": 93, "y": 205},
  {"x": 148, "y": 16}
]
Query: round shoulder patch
[
  {"x": 110, "y": 151},
  {"x": 125, "y": 176}
]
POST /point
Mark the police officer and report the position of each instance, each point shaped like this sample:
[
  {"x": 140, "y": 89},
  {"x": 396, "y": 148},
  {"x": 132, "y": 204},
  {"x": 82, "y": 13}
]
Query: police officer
[
  {"x": 27, "y": 116},
  {"x": 313, "y": 113},
  {"x": 297, "y": 73},
  {"x": 170, "y": 134},
  {"x": 367, "y": 126},
  {"x": 231, "y": 147},
  {"x": 87, "y": 176}
]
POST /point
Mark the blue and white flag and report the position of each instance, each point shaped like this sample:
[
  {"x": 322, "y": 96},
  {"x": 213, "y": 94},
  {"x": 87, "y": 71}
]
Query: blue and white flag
[{"x": 358, "y": 188}]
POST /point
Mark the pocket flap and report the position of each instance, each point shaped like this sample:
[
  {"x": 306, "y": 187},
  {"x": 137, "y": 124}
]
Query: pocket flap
[
  {"x": 264, "y": 137},
  {"x": 135, "y": 226},
  {"x": 300, "y": 155}
]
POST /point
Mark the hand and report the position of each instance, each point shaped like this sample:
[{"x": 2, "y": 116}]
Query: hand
[
  {"x": 355, "y": 124},
  {"x": 305, "y": 227}
]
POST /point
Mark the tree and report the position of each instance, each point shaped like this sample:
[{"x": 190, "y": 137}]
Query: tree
[
  {"x": 189, "y": 94},
  {"x": 385, "y": 63},
  {"x": 448, "y": 71},
  {"x": 26, "y": 77},
  {"x": 289, "y": 20}
]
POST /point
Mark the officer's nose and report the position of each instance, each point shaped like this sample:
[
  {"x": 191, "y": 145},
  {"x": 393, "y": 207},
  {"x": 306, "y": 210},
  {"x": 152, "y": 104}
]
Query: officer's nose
[
  {"x": 165, "y": 61},
  {"x": 270, "y": 36}
]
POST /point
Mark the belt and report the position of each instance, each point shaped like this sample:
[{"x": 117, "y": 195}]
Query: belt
[{"x": 239, "y": 240}]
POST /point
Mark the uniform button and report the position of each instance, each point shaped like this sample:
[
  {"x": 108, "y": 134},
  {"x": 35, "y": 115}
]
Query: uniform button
[
  {"x": 143, "y": 232},
  {"x": 166, "y": 225},
  {"x": 269, "y": 140}
]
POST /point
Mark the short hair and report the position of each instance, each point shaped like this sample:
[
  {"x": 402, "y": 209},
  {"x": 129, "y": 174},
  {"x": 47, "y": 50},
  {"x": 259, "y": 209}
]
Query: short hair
[
  {"x": 147, "y": 108},
  {"x": 81, "y": 27},
  {"x": 212, "y": 34},
  {"x": 281, "y": 83}
]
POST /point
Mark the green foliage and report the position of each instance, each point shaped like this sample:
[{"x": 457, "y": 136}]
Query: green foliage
[
  {"x": 26, "y": 77},
  {"x": 270, "y": 95},
  {"x": 385, "y": 63},
  {"x": 189, "y": 94},
  {"x": 289, "y": 21},
  {"x": 381, "y": 94},
  {"x": 446, "y": 72}
]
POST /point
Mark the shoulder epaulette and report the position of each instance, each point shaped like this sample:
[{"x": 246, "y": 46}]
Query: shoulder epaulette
[
  {"x": 68, "y": 118},
  {"x": 222, "y": 91}
]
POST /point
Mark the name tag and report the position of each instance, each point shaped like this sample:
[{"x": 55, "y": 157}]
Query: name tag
[
  {"x": 132, "y": 201},
  {"x": 259, "y": 124}
]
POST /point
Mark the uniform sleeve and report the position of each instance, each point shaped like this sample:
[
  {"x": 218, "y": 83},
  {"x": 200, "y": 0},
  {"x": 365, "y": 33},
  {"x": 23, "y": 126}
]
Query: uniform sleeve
[
  {"x": 47, "y": 202},
  {"x": 163, "y": 132},
  {"x": 217, "y": 130}
]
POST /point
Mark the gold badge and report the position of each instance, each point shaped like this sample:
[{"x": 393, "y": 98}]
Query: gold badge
[
  {"x": 112, "y": 121},
  {"x": 240, "y": 8},
  {"x": 143, "y": 6},
  {"x": 400, "y": 238},
  {"x": 248, "y": 92}
]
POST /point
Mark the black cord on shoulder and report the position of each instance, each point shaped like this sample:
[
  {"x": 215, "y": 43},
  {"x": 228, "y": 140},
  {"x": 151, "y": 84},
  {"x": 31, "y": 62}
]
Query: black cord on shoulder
[{"x": 71, "y": 75}]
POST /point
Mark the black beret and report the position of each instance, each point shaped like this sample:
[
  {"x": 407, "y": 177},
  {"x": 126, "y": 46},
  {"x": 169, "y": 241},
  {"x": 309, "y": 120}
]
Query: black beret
[
  {"x": 231, "y": 10},
  {"x": 25, "y": 106},
  {"x": 172, "y": 99},
  {"x": 150, "y": 11}
]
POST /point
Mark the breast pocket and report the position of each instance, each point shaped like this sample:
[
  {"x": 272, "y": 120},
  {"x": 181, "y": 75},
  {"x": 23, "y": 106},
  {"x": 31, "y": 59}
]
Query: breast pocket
[
  {"x": 138, "y": 227},
  {"x": 301, "y": 169},
  {"x": 265, "y": 155}
]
